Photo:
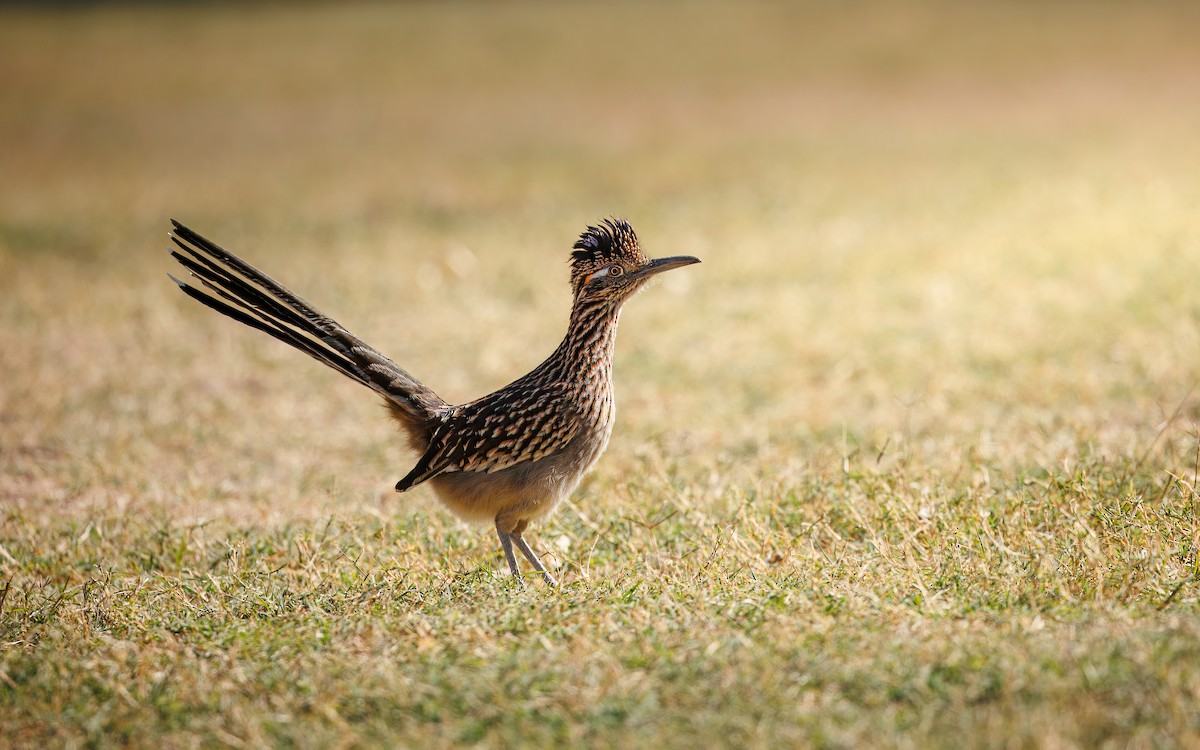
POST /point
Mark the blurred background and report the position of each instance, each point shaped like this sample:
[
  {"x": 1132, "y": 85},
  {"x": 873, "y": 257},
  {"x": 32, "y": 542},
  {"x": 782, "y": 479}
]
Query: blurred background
[{"x": 929, "y": 230}]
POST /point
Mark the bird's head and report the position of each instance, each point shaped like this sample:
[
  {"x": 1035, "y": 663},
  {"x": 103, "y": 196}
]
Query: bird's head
[{"x": 607, "y": 262}]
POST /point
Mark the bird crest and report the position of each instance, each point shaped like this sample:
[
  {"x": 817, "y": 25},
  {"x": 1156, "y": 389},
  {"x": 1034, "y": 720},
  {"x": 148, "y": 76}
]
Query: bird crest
[{"x": 612, "y": 240}]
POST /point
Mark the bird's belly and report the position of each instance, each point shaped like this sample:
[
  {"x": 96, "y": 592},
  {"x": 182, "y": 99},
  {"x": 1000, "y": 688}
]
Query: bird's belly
[{"x": 527, "y": 490}]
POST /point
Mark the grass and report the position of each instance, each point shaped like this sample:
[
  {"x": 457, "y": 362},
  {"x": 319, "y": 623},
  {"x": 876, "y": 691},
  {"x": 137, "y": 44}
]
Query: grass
[{"x": 910, "y": 461}]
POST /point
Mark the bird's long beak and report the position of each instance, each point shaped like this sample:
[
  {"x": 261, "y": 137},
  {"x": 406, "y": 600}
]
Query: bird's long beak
[{"x": 658, "y": 265}]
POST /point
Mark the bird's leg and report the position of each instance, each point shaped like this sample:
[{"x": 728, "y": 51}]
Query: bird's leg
[
  {"x": 529, "y": 554},
  {"x": 506, "y": 545}
]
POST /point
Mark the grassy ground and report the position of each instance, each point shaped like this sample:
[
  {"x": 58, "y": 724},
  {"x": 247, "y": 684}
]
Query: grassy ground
[{"x": 911, "y": 459}]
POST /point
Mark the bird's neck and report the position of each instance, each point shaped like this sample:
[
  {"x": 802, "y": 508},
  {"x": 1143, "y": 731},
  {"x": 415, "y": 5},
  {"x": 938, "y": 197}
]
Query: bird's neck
[{"x": 591, "y": 336}]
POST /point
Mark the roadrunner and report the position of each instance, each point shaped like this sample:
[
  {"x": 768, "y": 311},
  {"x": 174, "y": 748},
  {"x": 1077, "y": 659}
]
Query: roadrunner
[{"x": 510, "y": 457}]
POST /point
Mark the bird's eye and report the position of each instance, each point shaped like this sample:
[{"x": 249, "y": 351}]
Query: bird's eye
[{"x": 615, "y": 270}]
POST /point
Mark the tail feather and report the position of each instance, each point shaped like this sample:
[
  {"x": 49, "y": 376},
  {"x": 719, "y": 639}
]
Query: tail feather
[
  {"x": 266, "y": 325},
  {"x": 247, "y": 297},
  {"x": 242, "y": 292}
]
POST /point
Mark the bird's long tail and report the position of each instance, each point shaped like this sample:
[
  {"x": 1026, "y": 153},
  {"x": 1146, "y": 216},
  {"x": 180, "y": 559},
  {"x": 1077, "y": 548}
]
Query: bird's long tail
[{"x": 239, "y": 290}]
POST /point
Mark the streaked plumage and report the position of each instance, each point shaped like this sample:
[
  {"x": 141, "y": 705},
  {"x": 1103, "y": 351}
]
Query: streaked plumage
[{"x": 509, "y": 457}]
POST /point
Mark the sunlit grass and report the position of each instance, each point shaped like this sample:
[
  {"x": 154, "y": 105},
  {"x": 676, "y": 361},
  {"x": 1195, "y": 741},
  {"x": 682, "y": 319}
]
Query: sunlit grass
[{"x": 910, "y": 460}]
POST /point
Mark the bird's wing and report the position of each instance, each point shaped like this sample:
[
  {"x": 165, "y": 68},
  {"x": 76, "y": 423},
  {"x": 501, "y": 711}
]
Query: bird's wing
[{"x": 497, "y": 432}]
